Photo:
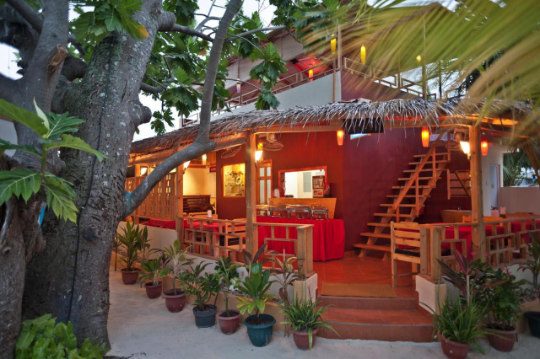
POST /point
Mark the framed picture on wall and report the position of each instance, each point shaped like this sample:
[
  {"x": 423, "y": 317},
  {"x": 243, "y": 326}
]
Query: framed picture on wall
[
  {"x": 234, "y": 180},
  {"x": 318, "y": 186}
]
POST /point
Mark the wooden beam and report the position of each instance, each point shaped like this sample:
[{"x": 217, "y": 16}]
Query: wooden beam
[
  {"x": 477, "y": 203},
  {"x": 251, "y": 195}
]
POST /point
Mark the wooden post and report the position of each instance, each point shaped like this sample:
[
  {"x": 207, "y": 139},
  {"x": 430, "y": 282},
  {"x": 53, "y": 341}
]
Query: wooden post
[
  {"x": 435, "y": 253},
  {"x": 251, "y": 195},
  {"x": 477, "y": 204},
  {"x": 180, "y": 203}
]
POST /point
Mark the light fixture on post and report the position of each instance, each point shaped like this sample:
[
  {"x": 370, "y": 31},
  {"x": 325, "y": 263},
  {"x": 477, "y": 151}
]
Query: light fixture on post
[
  {"x": 186, "y": 165},
  {"x": 259, "y": 152},
  {"x": 425, "y": 137},
  {"x": 484, "y": 147},
  {"x": 310, "y": 74},
  {"x": 465, "y": 147},
  {"x": 340, "y": 135},
  {"x": 238, "y": 87},
  {"x": 333, "y": 44},
  {"x": 363, "y": 54},
  {"x": 204, "y": 158}
]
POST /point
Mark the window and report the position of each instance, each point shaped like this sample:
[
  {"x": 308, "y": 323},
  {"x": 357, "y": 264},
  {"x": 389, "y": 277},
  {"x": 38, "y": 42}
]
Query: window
[{"x": 264, "y": 182}]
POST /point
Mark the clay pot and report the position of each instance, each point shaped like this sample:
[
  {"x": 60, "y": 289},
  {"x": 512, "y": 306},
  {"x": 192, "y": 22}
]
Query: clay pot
[
  {"x": 153, "y": 291},
  {"x": 174, "y": 300},
  {"x": 229, "y": 322},
  {"x": 453, "y": 350},
  {"x": 502, "y": 340},
  {"x": 130, "y": 276},
  {"x": 301, "y": 339}
]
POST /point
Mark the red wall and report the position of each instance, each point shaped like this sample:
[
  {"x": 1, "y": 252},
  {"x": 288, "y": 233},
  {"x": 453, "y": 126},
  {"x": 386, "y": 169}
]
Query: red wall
[{"x": 360, "y": 173}]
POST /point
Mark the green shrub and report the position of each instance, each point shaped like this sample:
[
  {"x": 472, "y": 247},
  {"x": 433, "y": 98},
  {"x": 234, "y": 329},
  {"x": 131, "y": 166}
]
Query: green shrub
[
  {"x": 44, "y": 338},
  {"x": 460, "y": 322}
]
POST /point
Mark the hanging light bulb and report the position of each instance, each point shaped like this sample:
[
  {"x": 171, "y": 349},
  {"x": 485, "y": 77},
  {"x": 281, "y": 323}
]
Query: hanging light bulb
[
  {"x": 204, "y": 158},
  {"x": 333, "y": 44},
  {"x": 340, "y": 134},
  {"x": 465, "y": 147},
  {"x": 484, "y": 147},
  {"x": 310, "y": 74},
  {"x": 363, "y": 54},
  {"x": 419, "y": 58},
  {"x": 238, "y": 87},
  {"x": 425, "y": 137},
  {"x": 259, "y": 152},
  {"x": 186, "y": 165}
]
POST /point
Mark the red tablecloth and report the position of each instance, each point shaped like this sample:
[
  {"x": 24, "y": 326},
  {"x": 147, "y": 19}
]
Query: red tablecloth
[
  {"x": 161, "y": 223},
  {"x": 328, "y": 236}
]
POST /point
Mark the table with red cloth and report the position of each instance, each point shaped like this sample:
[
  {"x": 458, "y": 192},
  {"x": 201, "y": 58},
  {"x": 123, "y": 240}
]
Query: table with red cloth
[
  {"x": 465, "y": 233},
  {"x": 161, "y": 223},
  {"x": 328, "y": 236}
]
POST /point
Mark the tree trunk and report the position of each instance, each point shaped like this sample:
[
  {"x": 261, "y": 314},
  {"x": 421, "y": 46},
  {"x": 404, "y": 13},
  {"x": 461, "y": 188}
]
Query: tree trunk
[
  {"x": 70, "y": 278},
  {"x": 12, "y": 270}
]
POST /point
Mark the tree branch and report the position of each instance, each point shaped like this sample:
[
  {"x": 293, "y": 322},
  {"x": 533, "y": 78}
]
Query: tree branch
[
  {"x": 133, "y": 199},
  {"x": 211, "y": 71},
  {"x": 263, "y": 29},
  {"x": 167, "y": 23},
  {"x": 8, "y": 87}
]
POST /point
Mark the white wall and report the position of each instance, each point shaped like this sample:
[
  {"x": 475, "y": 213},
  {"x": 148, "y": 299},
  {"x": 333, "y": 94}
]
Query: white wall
[
  {"x": 200, "y": 181},
  {"x": 520, "y": 199}
]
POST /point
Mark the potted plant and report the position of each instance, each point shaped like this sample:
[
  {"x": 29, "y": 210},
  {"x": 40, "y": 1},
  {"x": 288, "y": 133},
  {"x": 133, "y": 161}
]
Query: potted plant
[
  {"x": 174, "y": 258},
  {"x": 459, "y": 325},
  {"x": 152, "y": 271},
  {"x": 305, "y": 319},
  {"x": 132, "y": 240},
  {"x": 533, "y": 265},
  {"x": 254, "y": 289},
  {"x": 202, "y": 286},
  {"x": 285, "y": 276},
  {"x": 229, "y": 320}
]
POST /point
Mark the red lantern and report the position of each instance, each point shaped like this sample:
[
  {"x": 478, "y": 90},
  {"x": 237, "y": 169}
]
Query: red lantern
[
  {"x": 425, "y": 137},
  {"x": 340, "y": 134},
  {"x": 484, "y": 147}
]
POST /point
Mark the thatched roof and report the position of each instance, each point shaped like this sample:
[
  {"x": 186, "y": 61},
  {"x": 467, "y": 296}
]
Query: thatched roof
[{"x": 357, "y": 114}]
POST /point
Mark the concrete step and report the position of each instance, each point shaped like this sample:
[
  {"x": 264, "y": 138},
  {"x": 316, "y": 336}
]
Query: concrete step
[{"x": 373, "y": 303}]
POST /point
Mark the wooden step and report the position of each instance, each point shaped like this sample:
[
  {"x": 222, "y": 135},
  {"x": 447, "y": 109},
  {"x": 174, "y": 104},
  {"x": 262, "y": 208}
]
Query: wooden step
[
  {"x": 406, "y": 196},
  {"x": 414, "y": 170},
  {"x": 405, "y": 205},
  {"x": 412, "y": 187},
  {"x": 372, "y": 247},
  {"x": 427, "y": 162},
  {"x": 414, "y": 325},
  {"x": 392, "y": 303},
  {"x": 405, "y": 179},
  {"x": 436, "y": 154},
  {"x": 375, "y": 235},
  {"x": 377, "y": 224},
  {"x": 392, "y": 215}
]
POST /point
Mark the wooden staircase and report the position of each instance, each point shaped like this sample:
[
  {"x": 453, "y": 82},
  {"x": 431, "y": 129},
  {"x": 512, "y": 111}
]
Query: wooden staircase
[{"x": 407, "y": 199}]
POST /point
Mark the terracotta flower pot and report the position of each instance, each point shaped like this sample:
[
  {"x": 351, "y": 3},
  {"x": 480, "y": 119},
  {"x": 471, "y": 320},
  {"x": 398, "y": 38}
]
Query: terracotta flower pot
[
  {"x": 174, "y": 300},
  {"x": 453, "y": 350},
  {"x": 301, "y": 339},
  {"x": 153, "y": 291},
  {"x": 229, "y": 322},
  {"x": 502, "y": 340},
  {"x": 130, "y": 276}
]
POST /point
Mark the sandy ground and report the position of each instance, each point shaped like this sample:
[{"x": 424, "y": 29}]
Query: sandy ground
[{"x": 143, "y": 328}]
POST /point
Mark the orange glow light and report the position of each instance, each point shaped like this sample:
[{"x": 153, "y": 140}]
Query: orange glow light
[
  {"x": 363, "y": 55},
  {"x": 340, "y": 134},
  {"x": 333, "y": 45},
  {"x": 425, "y": 137},
  {"x": 484, "y": 147},
  {"x": 310, "y": 74}
]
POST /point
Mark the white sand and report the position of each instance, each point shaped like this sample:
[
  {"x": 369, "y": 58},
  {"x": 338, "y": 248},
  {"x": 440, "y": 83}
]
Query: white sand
[{"x": 143, "y": 328}]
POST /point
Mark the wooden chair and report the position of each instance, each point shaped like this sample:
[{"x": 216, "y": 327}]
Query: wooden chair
[{"x": 408, "y": 243}]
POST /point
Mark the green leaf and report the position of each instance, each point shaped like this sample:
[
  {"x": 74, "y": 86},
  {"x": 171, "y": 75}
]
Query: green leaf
[
  {"x": 19, "y": 182},
  {"x": 5, "y": 145},
  {"x": 63, "y": 123},
  {"x": 18, "y": 114},
  {"x": 60, "y": 197},
  {"x": 41, "y": 115},
  {"x": 69, "y": 141}
]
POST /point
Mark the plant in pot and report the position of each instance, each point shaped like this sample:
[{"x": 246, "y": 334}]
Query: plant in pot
[
  {"x": 202, "y": 286},
  {"x": 132, "y": 240},
  {"x": 254, "y": 289},
  {"x": 150, "y": 277},
  {"x": 285, "y": 276},
  {"x": 304, "y": 316},
  {"x": 459, "y": 324},
  {"x": 533, "y": 265},
  {"x": 175, "y": 258},
  {"x": 227, "y": 272}
]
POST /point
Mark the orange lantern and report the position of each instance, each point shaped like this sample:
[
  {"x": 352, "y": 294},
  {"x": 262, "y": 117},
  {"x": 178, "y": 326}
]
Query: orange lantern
[
  {"x": 333, "y": 45},
  {"x": 340, "y": 134},
  {"x": 484, "y": 147},
  {"x": 425, "y": 137}
]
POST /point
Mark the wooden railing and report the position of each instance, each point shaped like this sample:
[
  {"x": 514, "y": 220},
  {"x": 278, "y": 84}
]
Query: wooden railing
[
  {"x": 506, "y": 241},
  {"x": 213, "y": 238}
]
